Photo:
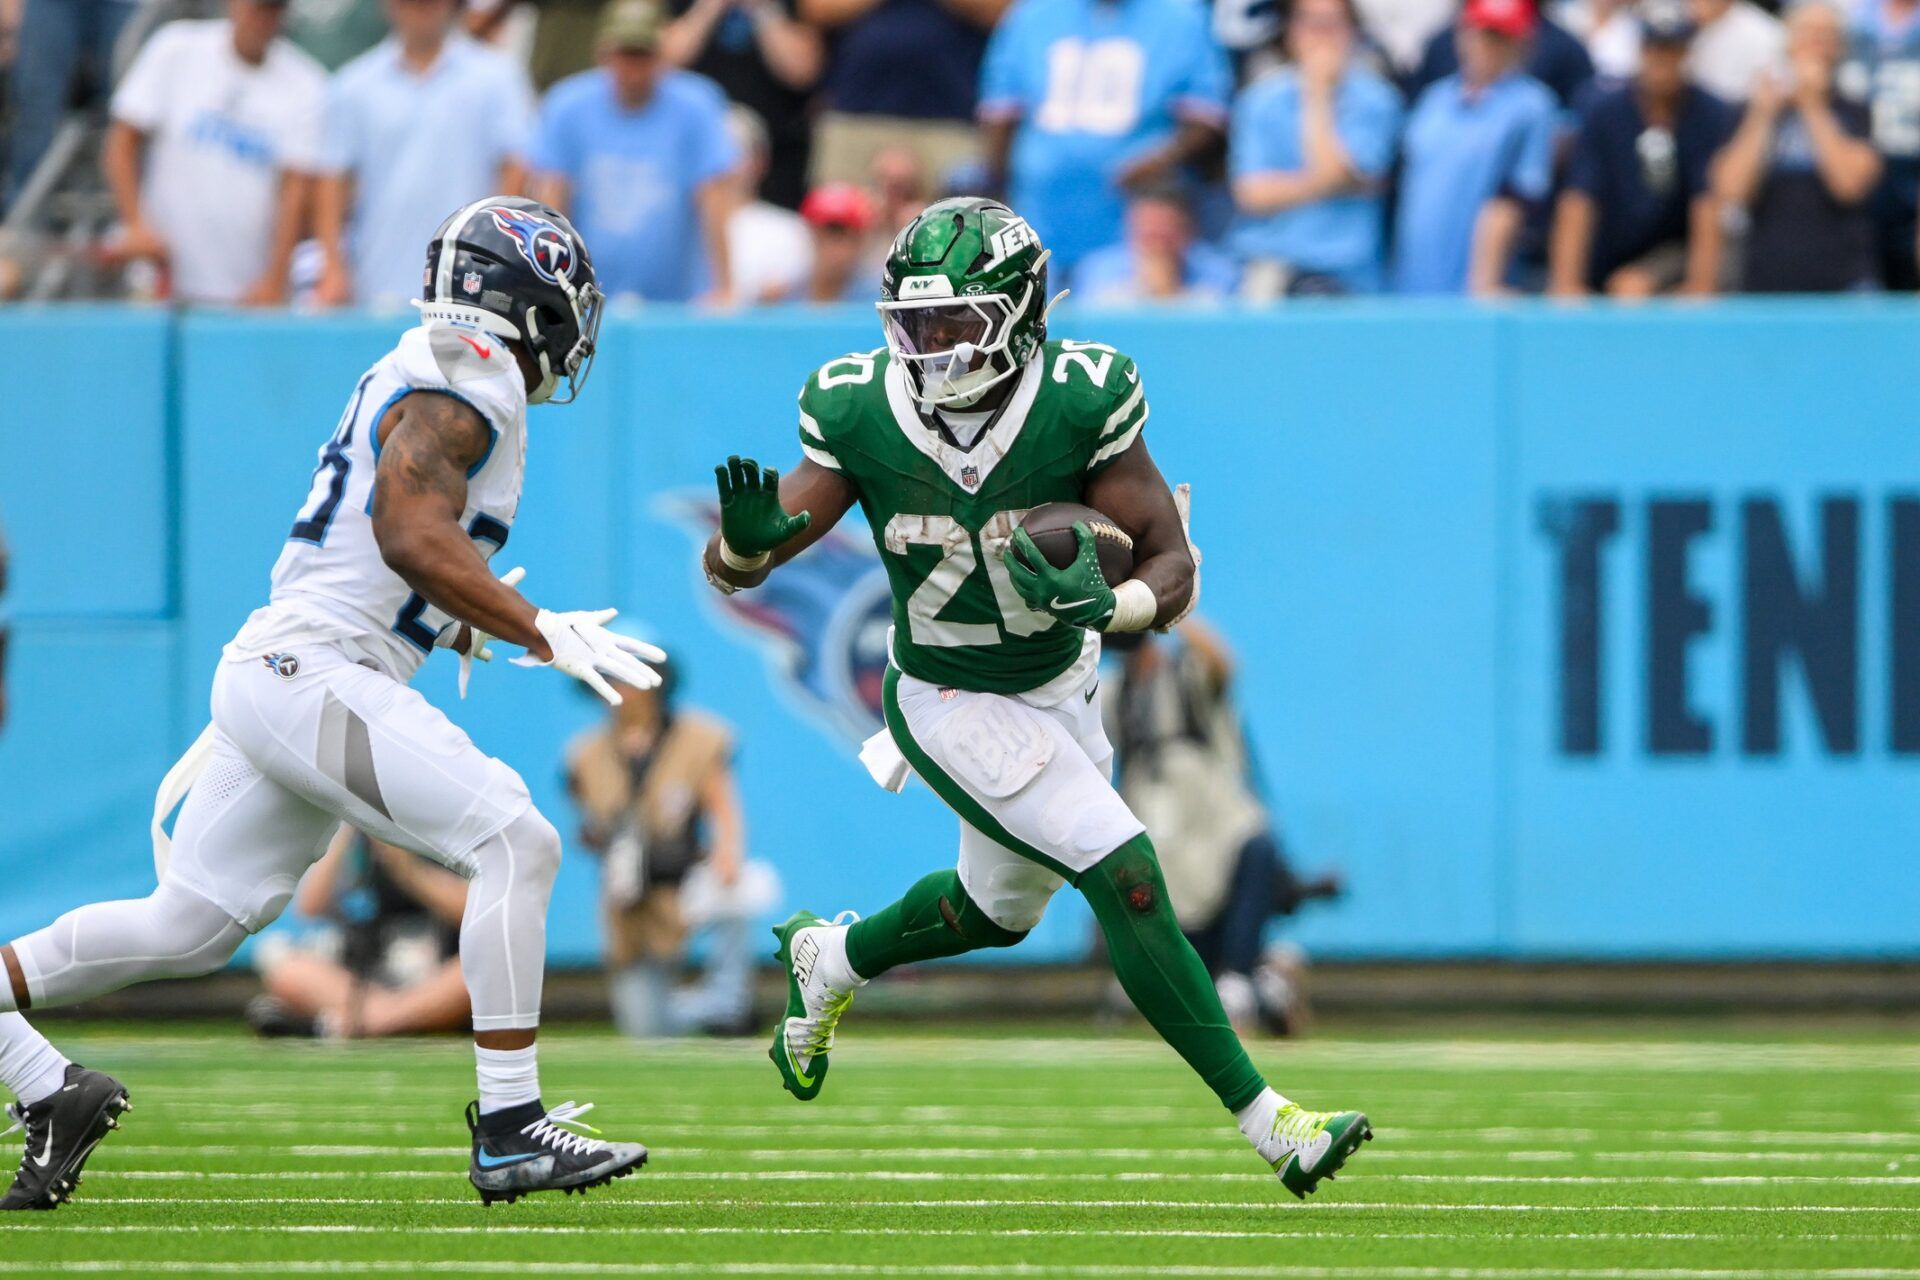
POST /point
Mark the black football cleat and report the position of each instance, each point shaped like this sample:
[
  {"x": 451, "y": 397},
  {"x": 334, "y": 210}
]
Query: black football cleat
[
  {"x": 62, "y": 1131},
  {"x": 524, "y": 1149}
]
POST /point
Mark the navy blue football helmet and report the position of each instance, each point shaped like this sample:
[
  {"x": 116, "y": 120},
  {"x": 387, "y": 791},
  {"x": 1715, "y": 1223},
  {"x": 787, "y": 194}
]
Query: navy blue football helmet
[{"x": 517, "y": 269}]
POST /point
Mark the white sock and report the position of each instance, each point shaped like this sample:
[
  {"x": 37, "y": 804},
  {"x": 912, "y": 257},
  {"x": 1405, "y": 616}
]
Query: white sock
[
  {"x": 836, "y": 971},
  {"x": 1256, "y": 1118},
  {"x": 508, "y": 1077},
  {"x": 29, "y": 1065}
]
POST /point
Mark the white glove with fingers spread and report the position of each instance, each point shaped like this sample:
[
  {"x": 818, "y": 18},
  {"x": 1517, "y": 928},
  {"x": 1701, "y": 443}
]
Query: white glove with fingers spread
[
  {"x": 476, "y": 650},
  {"x": 583, "y": 648}
]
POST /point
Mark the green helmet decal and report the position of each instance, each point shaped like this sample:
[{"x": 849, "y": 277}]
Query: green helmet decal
[{"x": 964, "y": 299}]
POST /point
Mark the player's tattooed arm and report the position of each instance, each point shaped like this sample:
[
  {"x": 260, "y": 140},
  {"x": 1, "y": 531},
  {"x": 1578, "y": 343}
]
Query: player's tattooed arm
[
  {"x": 1134, "y": 493},
  {"x": 821, "y": 494},
  {"x": 429, "y": 442}
]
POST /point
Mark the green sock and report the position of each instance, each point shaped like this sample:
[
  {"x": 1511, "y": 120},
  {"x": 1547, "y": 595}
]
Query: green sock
[
  {"x": 934, "y": 920},
  {"x": 1161, "y": 972}
]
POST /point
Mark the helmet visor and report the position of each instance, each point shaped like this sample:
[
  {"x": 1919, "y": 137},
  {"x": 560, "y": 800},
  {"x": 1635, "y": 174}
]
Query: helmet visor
[
  {"x": 929, "y": 329},
  {"x": 949, "y": 343}
]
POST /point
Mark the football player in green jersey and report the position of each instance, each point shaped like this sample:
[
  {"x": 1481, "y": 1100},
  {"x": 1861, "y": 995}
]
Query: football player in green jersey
[{"x": 967, "y": 419}]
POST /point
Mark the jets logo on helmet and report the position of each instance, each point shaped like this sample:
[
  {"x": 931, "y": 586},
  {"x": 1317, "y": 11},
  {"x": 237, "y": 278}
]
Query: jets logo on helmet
[
  {"x": 547, "y": 249},
  {"x": 1016, "y": 235}
]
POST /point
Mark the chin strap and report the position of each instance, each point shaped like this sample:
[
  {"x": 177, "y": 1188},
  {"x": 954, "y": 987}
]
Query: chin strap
[{"x": 549, "y": 380}]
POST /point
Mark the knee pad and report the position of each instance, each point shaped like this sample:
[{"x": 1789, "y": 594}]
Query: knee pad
[{"x": 965, "y": 917}]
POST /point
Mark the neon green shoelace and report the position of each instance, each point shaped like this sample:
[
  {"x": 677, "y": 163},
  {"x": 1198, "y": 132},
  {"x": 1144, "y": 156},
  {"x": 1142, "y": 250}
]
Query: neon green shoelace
[
  {"x": 820, "y": 1037},
  {"x": 1298, "y": 1127}
]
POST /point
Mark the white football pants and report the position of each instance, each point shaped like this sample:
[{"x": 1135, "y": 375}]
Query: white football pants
[
  {"x": 1030, "y": 783},
  {"x": 302, "y": 744}
]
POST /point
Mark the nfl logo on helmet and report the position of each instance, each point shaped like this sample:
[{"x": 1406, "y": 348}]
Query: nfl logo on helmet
[{"x": 470, "y": 282}]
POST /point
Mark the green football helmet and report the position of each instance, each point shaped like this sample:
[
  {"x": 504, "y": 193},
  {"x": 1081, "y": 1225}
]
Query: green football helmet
[{"x": 964, "y": 300}]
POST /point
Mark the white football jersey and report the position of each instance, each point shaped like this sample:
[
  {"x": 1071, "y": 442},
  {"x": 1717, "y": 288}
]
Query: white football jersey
[{"x": 330, "y": 583}]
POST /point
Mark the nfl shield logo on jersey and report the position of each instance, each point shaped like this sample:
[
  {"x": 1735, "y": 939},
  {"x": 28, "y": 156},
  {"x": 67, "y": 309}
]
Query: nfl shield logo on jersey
[
  {"x": 470, "y": 282},
  {"x": 970, "y": 476}
]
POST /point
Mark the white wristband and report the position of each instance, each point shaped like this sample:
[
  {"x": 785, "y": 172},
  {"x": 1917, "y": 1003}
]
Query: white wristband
[
  {"x": 1134, "y": 607},
  {"x": 739, "y": 563}
]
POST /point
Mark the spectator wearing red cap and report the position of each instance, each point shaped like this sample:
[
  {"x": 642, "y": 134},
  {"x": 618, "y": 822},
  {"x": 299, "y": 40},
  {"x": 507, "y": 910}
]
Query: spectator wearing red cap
[
  {"x": 1555, "y": 57},
  {"x": 1479, "y": 154},
  {"x": 1638, "y": 217},
  {"x": 840, "y": 215}
]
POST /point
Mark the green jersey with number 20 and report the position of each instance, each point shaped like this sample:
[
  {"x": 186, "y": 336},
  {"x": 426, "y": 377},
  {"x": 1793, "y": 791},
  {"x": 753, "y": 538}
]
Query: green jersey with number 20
[{"x": 942, "y": 516}]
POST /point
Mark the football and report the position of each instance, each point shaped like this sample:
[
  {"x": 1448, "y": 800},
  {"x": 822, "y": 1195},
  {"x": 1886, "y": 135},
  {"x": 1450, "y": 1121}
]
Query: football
[{"x": 1051, "y": 528}]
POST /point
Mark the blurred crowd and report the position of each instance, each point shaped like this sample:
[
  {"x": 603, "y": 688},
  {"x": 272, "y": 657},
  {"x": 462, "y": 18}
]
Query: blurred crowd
[{"x": 744, "y": 152}]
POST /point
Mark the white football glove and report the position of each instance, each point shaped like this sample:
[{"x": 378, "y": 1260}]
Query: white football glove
[
  {"x": 478, "y": 640},
  {"x": 583, "y": 648}
]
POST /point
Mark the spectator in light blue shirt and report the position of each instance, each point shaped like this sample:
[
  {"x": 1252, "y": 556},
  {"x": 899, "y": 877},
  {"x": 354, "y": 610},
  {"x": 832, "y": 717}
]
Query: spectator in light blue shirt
[
  {"x": 1082, "y": 100},
  {"x": 1479, "y": 153},
  {"x": 639, "y": 156},
  {"x": 1159, "y": 261},
  {"x": 422, "y": 123},
  {"x": 1312, "y": 144}
]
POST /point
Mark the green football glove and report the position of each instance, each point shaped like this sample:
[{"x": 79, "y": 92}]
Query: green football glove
[
  {"x": 1078, "y": 595},
  {"x": 752, "y": 521}
]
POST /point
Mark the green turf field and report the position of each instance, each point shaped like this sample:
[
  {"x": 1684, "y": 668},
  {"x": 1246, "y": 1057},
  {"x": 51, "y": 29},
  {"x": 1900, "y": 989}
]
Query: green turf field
[{"x": 1613, "y": 1150}]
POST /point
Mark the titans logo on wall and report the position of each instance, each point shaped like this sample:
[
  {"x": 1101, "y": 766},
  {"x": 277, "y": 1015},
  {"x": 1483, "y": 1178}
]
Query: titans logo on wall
[
  {"x": 821, "y": 621},
  {"x": 545, "y": 247}
]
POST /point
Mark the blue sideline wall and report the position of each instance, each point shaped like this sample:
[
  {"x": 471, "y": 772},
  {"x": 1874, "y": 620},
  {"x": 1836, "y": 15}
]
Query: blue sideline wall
[{"x": 1564, "y": 632}]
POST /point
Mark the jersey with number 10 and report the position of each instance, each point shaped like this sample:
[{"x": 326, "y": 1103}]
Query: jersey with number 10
[{"x": 942, "y": 516}]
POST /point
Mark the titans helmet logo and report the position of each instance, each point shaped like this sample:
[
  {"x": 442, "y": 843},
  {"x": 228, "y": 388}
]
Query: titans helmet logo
[{"x": 547, "y": 249}]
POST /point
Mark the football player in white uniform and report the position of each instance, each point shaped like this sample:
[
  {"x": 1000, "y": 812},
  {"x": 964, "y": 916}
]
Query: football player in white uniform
[{"x": 314, "y": 722}]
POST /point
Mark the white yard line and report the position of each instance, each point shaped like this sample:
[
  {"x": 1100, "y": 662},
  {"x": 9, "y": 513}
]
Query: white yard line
[
  {"x": 1516, "y": 1056},
  {"x": 998, "y": 1175},
  {"x": 1235, "y": 1153},
  {"x": 1890, "y": 1159},
  {"x": 811, "y": 1267},
  {"x": 611, "y": 1229},
  {"x": 868, "y": 1121},
  {"x": 617, "y": 1201}
]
